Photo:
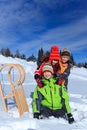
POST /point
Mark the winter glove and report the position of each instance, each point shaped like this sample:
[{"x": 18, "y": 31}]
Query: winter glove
[
  {"x": 36, "y": 115},
  {"x": 38, "y": 80},
  {"x": 36, "y": 76},
  {"x": 70, "y": 118},
  {"x": 39, "y": 83},
  {"x": 60, "y": 81}
]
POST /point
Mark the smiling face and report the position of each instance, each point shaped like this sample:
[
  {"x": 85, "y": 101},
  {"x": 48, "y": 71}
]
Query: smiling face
[
  {"x": 47, "y": 74},
  {"x": 65, "y": 59}
]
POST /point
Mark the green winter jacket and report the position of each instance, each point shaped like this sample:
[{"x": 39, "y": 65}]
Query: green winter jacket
[{"x": 52, "y": 96}]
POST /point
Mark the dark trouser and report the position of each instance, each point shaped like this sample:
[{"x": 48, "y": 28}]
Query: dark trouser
[{"x": 49, "y": 112}]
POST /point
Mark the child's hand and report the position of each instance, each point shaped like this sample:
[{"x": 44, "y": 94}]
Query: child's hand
[
  {"x": 60, "y": 81},
  {"x": 38, "y": 80},
  {"x": 36, "y": 115},
  {"x": 70, "y": 118},
  {"x": 39, "y": 83}
]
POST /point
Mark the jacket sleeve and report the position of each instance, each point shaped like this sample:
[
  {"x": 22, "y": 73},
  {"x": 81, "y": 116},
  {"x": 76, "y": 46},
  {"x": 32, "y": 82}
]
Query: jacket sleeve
[
  {"x": 65, "y": 74},
  {"x": 65, "y": 102},
  {"x": 37, "y": 98}
]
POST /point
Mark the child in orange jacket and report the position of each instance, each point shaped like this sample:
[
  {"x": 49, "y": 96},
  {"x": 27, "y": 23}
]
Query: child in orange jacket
[{"x": 65, "y": 66}]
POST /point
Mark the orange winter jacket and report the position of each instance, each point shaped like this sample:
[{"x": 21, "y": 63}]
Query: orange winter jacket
[
  {"x": 63, "y": 67},
  {"x": 64, "y": 72}
]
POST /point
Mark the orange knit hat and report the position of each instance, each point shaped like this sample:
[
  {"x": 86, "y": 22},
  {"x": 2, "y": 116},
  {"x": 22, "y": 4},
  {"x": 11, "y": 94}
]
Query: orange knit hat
[{"x": 55, "y": 54}]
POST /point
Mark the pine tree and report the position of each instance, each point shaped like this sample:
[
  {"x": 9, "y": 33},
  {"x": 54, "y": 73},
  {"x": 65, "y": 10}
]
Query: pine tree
[
  {"x": 23, "y": 56},
  {"x": 17, "y": 54},
  {"x": 7, "y": 52},
  {"x": 40, "y": 55},
  {"x": 2, "y": 51},
  {"x": 31, "y": 58}
]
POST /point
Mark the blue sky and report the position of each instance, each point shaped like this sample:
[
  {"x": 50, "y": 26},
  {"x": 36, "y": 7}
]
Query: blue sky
[{"x": 28, "y": 25}]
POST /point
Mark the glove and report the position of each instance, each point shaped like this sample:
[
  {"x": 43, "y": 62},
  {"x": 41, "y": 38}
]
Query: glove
[
  {"x": 38, "y": 80},
  {"x": 60, "y": 81},
  {"x": 39, "y": 83},
  {"x": 36, "y": 115},
  {"x": 36, "y": 76},
  {"x": 70, "y": 118}
]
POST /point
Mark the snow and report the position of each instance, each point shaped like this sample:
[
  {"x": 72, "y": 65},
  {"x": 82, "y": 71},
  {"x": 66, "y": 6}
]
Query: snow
[{"x": 77, "y": 89}]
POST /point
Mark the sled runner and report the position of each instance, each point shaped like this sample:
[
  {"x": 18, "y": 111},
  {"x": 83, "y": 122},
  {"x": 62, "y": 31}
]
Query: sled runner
[{"x": 17, "y": 91}]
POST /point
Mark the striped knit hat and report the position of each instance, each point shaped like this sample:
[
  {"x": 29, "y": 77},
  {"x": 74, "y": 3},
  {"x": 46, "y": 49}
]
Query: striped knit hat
[
  {"x": 55, "y": 54},
  {"x": 47, "y": 67}
]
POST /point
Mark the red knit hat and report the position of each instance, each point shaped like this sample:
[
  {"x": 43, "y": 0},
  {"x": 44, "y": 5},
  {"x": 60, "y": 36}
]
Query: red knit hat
[{"x": 55, "y": 54}]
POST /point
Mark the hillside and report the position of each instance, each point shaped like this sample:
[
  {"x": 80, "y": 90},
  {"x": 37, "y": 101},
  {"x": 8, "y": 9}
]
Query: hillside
[{"x": 77, "y": 89}]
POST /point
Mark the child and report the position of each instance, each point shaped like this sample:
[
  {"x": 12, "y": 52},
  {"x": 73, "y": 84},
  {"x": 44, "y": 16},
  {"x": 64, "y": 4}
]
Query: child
[
  {"x": 65, "y": 66},
  {"x": 51, "y": 99},
  {"x": 54, "y": 58}
]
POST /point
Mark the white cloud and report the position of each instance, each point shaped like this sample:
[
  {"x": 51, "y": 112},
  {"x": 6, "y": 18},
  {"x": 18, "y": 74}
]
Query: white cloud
[
  {"x": 67, "y": 36},
  {"x": 20, "y": 18},
  {"x": 70, "y": 35}
]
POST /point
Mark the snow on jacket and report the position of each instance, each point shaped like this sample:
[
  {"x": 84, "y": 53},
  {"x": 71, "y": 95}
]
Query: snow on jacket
[{"x": 52, "y": 96}]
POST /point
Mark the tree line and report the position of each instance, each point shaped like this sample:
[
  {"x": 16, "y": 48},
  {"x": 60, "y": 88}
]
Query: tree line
[
  {"x": 41, "y": 54},
  {"x": 7, "y": 53}
]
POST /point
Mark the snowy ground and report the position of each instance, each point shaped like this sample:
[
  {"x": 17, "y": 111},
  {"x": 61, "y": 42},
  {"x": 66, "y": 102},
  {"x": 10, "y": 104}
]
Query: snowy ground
[{"x": 77, "y": 89}]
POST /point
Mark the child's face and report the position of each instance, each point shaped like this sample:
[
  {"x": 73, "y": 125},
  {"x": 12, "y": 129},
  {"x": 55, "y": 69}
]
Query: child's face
[
  {"x": 54, "y": 62},
  {"x": 47, "y": 74},
  {"x": 65, "y": 59}
]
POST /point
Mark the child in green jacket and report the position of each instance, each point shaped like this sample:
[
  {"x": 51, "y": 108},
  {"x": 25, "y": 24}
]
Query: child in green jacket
[{"x": 52, "y": 99}]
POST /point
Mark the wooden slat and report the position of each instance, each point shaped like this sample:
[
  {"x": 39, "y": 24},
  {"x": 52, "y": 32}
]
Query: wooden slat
[
  {"x": 8, "y": 96},
  {"x": 20, "y": 100},
  {"x": 3, "y": 99}
]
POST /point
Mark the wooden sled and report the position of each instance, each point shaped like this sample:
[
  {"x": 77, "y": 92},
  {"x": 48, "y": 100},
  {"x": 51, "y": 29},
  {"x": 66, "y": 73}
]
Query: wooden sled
[{"x": 17, "y": 89}]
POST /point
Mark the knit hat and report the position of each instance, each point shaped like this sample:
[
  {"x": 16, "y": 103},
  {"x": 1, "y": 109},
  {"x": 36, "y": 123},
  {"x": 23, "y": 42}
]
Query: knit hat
[
  {"x": 47, "y": 67},
  {"x": 65, "y": 52},
  {"x": 55, "y": 54}
]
